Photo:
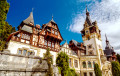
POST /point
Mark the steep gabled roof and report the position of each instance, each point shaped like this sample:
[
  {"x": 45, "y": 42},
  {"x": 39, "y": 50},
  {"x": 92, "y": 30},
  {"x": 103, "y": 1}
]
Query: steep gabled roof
[
  {"x": 29, "y": 19},
  {"x": 77, "y": 44}
]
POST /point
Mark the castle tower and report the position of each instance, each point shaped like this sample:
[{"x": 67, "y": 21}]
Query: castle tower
[{"x": 92, "y": 38}]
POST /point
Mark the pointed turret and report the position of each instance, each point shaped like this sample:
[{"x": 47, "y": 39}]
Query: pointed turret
[
  {"x": 108, "y": 46},
  {"x": 88, "y": 20},
  {"x": 29, "y": 19},
  {"x": 87, "y": 13},
  {"x": 106, "y": 38}
]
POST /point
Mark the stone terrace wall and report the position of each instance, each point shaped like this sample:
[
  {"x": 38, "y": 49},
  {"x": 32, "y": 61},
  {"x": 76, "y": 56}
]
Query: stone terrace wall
[{"x": 17, "y": 65}]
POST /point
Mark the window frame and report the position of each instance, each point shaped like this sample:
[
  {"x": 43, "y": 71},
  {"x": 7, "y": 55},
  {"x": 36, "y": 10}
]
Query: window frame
[
  {"x": 89, "y": 64},
  {"x": 84, "y": 64}
]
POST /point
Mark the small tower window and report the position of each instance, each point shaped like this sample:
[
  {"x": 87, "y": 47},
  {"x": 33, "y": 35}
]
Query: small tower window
[
  {"x": 87, "y": 31},
  {"x": 88, "y": 38}
]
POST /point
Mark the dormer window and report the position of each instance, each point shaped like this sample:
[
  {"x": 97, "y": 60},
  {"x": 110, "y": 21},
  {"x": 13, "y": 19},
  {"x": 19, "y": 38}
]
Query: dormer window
[
  {"x": 53, "y": 45},
  {"x": 53, "y": 31},
  {"x": 49, "y": 43},
  {"x": 45, "y": 42},
  {"x": 18, "y": 35},
  {"x": 56, "y": 33}
]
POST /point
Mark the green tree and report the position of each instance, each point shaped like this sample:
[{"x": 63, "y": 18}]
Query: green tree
[
  {"x": 62, "y": 62},
  {"x": 97, "y": 70},
  {"x": 48, "y": 56},
  {"x": 118, "y": 57},
  {"x": 5, "y": 28},
  {"x": 72, "y": 72},
  {"x": 115, "y": 68}
]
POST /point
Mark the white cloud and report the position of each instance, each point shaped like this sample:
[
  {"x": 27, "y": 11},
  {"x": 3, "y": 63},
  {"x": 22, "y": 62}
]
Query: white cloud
[
  {"x": 107, "y": 15},
  {"x": 85, "y": 0}
]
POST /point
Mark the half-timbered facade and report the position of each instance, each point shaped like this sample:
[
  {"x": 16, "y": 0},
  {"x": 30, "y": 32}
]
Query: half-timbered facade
[{"x": 33, "y": 39}]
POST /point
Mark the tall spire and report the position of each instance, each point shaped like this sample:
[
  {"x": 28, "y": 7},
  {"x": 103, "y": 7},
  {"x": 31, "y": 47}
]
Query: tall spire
[
  {"x": 106, "y": 38},
  {"x": 86, "y": 9},
  {"x": 87, "y": 13},
  {"x": 107, "y": 42},
  {"x": 88, "y": 20}
]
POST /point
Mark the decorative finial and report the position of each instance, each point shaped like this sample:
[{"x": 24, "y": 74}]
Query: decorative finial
[
  {"x": 32, "y": 9},
  {"x": 52, "y": 16},
  {"x": 87, "y": 13},
  {"x": 66, "y": 41},
  {"x": 86, "y": 9},
  {"x": 106, "y": 38}
]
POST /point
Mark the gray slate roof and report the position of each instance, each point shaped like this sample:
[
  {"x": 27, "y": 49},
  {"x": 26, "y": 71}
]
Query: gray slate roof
[
  {"x": 108, "y": 52},
  {"x": 88, "y": 20},
  {"x": 29, "y": 19},
  {"x": 27, "y": 29},
  {"x": 77, "y": 44}
]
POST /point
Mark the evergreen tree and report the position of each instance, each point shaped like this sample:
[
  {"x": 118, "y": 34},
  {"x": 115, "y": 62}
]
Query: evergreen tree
[
  {"x": 118, "y": 57},
  {"x": 97, "y": 70},
  {"x": 5, "y": 28},
  {"x": 62, "y": 62},
  {"x": 115, "y": 68},
  {"x": 49, "y": 62}
]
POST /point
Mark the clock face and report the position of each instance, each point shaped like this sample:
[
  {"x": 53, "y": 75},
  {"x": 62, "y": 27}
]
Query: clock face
[{"x": 87, "y": 31}]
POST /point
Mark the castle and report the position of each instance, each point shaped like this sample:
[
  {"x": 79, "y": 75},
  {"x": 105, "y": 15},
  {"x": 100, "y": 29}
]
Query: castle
[{"x": 32, "y": 39}]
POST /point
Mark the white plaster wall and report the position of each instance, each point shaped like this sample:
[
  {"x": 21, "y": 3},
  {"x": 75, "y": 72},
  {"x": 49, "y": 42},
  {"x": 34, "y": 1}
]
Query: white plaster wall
[
  {"x": 88, "y": 42},
  {"x": 13, "y": 47},
  {"x": 65, "y": 48}
]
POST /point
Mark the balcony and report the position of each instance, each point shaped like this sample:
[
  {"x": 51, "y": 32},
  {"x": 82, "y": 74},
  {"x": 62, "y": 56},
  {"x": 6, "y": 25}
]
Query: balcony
[{"x": 50, "y": 34}]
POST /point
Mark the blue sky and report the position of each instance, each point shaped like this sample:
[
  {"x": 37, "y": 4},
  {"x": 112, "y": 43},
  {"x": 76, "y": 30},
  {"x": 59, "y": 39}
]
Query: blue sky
[
  {"x": 62, "y": 10},
  {"x": 70, "y": 16}
]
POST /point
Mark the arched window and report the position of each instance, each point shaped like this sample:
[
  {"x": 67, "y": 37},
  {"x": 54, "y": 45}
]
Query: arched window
[
  {"x": 89, "y": 64},
  {"x": 84, "y": 64}
]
